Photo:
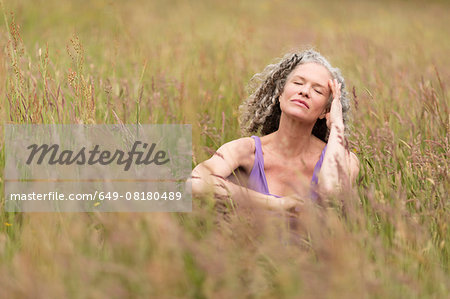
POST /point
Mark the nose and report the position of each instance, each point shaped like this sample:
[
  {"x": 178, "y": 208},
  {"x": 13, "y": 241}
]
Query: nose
[{"x": 304, "y": 90}]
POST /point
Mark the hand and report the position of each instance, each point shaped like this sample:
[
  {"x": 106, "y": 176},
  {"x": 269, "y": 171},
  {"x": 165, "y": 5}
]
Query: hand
[
  {"x": 284, "y": 203},
  {"x": 334, "y": 117},
  {"x": 291, "y": 204}
]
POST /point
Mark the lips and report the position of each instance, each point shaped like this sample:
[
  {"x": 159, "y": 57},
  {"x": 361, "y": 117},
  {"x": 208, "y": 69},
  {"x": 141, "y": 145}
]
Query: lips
[{"x": 301, "y": 103}]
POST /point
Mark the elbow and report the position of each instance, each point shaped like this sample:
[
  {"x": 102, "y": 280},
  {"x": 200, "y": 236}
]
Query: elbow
[
  {"x": 335, "y": 187},
  {"x": 328, "y": 189},
  {"x": 198, "y": 186},
  {"x": 328, "y": 183},
  {"x": 332, "y": 185},
  {"x": 339, "y": 178},
  {"x": 200, "y": 183}
]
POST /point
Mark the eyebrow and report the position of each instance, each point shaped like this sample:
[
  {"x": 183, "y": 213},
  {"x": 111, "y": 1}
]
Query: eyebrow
[{"x": 314, "y": 83}]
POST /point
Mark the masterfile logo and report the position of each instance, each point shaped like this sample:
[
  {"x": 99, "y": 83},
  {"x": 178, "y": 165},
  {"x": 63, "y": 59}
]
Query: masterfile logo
[{"x": 94, "y": 156}]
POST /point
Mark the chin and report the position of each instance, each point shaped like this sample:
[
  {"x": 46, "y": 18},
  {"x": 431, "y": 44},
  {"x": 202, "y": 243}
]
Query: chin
[{"x": 300, "y": 115}]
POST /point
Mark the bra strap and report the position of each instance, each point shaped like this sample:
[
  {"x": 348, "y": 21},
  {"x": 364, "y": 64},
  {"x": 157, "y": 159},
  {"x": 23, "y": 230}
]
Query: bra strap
[{"x": 315, "y": 177}]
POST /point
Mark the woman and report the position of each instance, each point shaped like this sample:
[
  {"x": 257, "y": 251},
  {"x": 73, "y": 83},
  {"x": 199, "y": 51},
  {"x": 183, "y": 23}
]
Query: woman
[{"x": 301, "y": 108}]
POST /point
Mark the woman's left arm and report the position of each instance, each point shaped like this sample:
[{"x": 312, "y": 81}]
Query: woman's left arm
[{"x": 340, "y": 166}]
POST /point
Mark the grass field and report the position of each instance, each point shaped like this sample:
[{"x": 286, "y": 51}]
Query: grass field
[{"x": 103, "y": 61}]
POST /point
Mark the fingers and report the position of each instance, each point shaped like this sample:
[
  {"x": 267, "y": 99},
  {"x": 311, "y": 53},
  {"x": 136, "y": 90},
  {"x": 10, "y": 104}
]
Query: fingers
[
  {"x": 335, "y": 87},
  {"x": 335, "y": 115},
  {"x": 331, "y": 84},
  {"x": 338, "y": 90}
]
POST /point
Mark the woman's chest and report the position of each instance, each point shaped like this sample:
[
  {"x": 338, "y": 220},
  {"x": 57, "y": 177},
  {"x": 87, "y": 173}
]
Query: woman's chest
[{"x": 288, "y": 177}]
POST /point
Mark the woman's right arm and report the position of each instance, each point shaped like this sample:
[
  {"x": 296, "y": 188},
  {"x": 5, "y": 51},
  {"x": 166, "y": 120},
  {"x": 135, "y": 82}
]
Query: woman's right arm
[{"x": 211, "y": 176}]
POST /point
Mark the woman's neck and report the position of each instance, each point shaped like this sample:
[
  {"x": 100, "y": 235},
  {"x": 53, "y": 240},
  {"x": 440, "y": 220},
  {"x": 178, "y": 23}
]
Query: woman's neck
[{"x": 293, "y": 137}]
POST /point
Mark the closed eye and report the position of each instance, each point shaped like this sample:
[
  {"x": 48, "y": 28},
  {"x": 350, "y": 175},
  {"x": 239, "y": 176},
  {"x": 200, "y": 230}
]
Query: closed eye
[
  {"x": 298, "y": 83},
  {"x": 318, "y": 91}
]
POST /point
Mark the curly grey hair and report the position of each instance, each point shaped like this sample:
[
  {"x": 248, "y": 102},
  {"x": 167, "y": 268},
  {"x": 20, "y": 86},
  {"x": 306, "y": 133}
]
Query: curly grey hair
[{"x": 261, "y": 110}]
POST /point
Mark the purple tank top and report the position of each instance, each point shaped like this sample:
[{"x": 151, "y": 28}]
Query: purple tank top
[{"x": 257, "y": 180}]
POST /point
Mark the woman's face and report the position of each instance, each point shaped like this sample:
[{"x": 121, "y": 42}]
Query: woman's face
[{"x": 306, "y": 92}]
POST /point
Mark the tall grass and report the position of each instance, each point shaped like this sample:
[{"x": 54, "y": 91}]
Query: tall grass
[{"x": 175, "y": 62}]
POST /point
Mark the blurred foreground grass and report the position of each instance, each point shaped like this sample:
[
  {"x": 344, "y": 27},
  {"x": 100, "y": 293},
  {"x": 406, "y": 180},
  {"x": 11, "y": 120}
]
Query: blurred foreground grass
[{"x": 177, "y": 62}]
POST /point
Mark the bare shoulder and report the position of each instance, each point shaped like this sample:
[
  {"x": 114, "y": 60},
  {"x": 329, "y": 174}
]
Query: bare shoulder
[
  {"x": 231, "y": 155},
  {"x": 241, "y": 150},
  {"x": 239, "y": 146}
]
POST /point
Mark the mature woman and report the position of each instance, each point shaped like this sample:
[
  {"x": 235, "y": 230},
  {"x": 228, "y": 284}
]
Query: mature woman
[{"x": 300, "y": 108}]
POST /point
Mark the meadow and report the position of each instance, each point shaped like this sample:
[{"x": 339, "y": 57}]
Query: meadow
[{"x": 154, "y": 62}]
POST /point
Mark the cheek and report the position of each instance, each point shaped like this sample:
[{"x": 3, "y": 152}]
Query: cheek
[
  {"x": 322, "y": 104},
  {"x": 289, "y": 90}
]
